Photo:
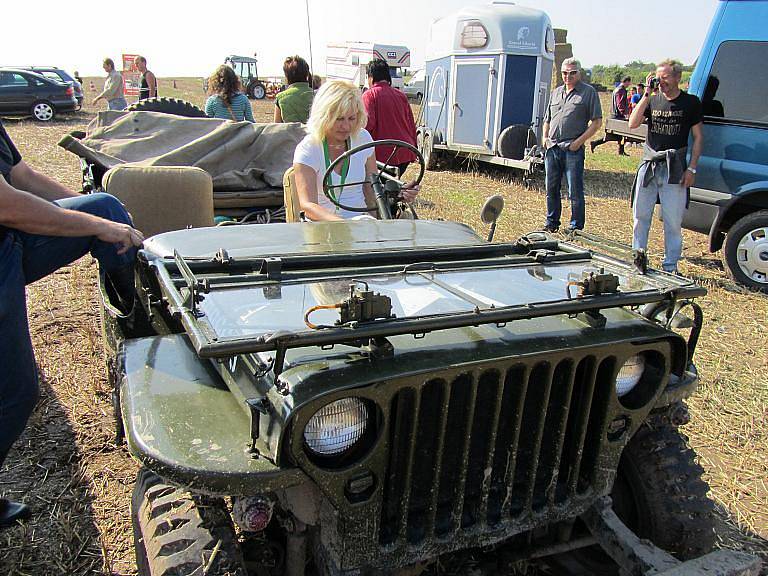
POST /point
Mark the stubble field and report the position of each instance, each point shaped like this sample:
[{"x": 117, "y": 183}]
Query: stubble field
[{"x": 79, "y": 483}]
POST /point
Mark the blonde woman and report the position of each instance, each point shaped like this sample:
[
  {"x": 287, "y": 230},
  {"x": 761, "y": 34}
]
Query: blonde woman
[{"x": 336, "y": 124}]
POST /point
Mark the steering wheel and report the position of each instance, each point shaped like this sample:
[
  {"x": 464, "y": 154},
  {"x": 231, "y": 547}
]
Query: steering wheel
[{"x": 382, "y": 174}]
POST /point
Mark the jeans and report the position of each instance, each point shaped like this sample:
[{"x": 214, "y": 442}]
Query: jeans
[
  {"x": 117, "y": 104},
  {"x": 556, "y": 163},
  {"x": 673, "y": 199},
  {"x": 25, "y": 258}
]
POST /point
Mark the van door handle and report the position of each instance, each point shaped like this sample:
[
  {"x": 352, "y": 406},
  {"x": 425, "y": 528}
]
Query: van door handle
[{"x": 456, "y": 105}]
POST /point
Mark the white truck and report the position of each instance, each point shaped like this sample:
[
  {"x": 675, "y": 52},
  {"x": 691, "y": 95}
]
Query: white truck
[{"x": 347, "y": 61}]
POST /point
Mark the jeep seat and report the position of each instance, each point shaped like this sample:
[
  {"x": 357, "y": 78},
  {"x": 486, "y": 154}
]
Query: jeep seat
[
  {"x": 163, "y": 198},
  {"x": 291, "y": 197}
]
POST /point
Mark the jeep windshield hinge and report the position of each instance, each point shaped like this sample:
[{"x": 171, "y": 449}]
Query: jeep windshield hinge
[
  {"x": 257, "y": 407},
  {"x": 195, "y": 288}
]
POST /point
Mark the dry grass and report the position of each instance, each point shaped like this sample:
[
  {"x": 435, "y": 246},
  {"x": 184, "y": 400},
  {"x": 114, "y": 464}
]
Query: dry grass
[{"x": 79, "y": 484}]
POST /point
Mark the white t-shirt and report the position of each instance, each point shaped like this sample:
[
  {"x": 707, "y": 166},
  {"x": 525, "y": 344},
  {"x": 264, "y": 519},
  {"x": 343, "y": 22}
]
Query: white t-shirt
[{"x": 310, "y": 153}]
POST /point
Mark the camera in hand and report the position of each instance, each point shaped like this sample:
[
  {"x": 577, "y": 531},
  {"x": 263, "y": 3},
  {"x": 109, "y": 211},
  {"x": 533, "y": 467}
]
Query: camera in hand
[{"x": 654, "y": 83}]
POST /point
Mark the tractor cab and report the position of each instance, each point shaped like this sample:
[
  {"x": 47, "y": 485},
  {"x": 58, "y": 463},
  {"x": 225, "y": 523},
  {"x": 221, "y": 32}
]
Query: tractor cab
[{"x": 245, "y": 68}]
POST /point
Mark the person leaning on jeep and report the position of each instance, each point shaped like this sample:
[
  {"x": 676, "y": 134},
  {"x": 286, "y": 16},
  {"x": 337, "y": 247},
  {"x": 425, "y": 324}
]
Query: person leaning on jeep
[
  {"x": 44, "y": 226},
  {"x": 663, "y": 175}
]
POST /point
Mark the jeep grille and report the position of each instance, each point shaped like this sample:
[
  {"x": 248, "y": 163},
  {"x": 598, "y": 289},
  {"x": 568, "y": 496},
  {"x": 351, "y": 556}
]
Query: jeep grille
[{"x": 494, "y": 447}]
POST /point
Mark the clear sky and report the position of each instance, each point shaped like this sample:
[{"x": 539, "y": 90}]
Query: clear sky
[{"x": 190, "y": 38}]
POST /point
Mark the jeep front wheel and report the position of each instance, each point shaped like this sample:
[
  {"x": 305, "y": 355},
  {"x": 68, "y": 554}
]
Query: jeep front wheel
[
  {"x": 176, "y": 532},
  {"x": 659, "y": 493},
  {"x": 746, "y": 251}
]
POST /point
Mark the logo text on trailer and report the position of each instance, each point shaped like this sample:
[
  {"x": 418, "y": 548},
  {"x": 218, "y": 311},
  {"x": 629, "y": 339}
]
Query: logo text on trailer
[{"x": 391, "y": 54}]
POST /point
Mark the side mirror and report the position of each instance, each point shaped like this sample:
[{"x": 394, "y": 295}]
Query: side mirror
[{"x": 490, "y": 213}]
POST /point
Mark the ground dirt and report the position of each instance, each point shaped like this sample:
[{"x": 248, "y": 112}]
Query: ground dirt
[{"x": 78, "y": 482}]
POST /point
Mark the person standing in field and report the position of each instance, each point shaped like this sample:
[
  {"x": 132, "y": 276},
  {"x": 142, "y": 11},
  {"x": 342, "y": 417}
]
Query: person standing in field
[
  {"x": 227, "y": 100},
  {"x": 43, "y": 227},
  {"x": 148, "y": 87},
  {"x": 294, "y": 103},
  {"x": 389, "y": 116},
  {"x": 572, "y": 117},
  {"x": 665, "y": 175},
  {"x": 113, "y": 87}
]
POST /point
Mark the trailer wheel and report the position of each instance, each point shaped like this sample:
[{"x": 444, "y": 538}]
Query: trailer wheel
[
  {"x": 424, "y": 144},
  {"x": 513, "y": 141},
  {"x": 176, "y": 532},
  {"x": 659, "y": 493},
  {"x": 167, "y": 106}
]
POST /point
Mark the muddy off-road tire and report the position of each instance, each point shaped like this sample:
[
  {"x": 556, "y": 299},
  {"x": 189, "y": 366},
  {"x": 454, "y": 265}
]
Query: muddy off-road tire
[
  {"x": 660, "y": 495},
  {"x": 168, "y": 106},
  {"x": 177, "y": 533}
]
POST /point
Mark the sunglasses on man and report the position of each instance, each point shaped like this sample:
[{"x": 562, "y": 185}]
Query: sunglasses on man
[{"x": 569, "y": 72}]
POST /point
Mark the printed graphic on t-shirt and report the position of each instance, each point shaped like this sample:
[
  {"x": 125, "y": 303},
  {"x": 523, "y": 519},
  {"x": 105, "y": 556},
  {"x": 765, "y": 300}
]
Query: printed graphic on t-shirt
[{"x": 667, "y": 122}]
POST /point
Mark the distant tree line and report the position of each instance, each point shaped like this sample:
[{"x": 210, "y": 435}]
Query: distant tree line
[{"x": 609, "y": 75}]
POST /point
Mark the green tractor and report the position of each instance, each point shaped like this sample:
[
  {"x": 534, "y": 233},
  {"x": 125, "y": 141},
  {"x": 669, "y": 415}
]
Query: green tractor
[{"x": 246, "y": 70}]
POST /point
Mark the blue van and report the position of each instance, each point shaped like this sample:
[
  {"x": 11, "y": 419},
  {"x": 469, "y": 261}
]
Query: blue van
[{"x": 730, "y": 199}]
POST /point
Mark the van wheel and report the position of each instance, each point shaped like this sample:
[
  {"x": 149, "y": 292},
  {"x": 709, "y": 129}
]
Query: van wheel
[
  {"x": 43, "y": 111},
  {"x": 746, "y": 251},
  {"x": 177, "y": 532}
]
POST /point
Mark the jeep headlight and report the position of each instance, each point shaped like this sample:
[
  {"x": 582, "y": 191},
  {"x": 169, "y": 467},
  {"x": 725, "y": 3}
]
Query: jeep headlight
[
  {"x": 630, "y": 374},
  {"x": 336, "y": 427}
]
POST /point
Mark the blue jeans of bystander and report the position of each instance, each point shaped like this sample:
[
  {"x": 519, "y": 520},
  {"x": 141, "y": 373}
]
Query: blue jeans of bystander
[
  {"x": 25, "y": 258},
  {"x": 673, "y": 199},
  {"x": 559, "y": 162}
]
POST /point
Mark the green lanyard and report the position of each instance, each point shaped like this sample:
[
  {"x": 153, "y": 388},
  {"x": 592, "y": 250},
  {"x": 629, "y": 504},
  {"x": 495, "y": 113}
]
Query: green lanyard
[{"x": 344, "y": 169}]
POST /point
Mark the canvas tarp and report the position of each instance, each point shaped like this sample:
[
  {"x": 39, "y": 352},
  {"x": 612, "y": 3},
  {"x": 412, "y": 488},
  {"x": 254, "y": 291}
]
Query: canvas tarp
[{"x": 237, "y": 155}]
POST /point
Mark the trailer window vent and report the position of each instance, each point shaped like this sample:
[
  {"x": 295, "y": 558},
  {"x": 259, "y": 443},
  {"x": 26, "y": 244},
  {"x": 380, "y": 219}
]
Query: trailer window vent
[{"x": 474, "y": 35}]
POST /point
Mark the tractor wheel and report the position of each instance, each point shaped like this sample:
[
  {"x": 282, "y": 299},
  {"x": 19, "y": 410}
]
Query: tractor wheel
[
  {"x": 660, "y": 495},
  {"x": 167, "y": 106},
  {"x": 746, "y": 251},
  {"x": 176, "y": 532},
  {"x": 257, "y": 91}
]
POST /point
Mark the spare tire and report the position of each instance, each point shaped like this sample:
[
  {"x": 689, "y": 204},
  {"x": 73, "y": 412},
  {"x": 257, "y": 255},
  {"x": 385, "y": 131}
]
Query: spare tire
[
  {"x": 167, "y": 106},
  {"x": 513, "y": 141}
]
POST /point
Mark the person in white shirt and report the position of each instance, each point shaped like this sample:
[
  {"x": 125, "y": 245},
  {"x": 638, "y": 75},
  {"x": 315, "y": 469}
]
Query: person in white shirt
[{"x": 336, "y": 124}]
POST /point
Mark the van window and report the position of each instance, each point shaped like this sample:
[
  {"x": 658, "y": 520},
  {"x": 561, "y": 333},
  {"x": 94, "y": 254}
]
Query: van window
[{"x": 738, "y": 83}]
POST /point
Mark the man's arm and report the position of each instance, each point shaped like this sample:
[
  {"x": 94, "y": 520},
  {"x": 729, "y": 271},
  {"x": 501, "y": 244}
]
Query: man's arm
[
  {"x": 26, "y": 178},
  {"x": 545, "y": 132},
  {"x": 370, "y": 110},
  {"x": 27, "y": 213},
  {"x": 278, "y": 117},
  {"x": 698, "y": 142},
  {"x": 152, "y": 83},
  {"x": 638, "y": 113},
  {"x": 592, "y": 127}
]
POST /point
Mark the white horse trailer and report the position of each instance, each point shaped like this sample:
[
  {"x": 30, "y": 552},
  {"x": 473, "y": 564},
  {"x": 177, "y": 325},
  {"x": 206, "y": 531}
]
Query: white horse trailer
[{"x": 489, "y": 72}]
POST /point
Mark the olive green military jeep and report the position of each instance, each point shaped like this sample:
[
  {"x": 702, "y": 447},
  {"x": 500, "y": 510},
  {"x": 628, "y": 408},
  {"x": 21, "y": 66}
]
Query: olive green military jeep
[{"x": 403, "y": 396}]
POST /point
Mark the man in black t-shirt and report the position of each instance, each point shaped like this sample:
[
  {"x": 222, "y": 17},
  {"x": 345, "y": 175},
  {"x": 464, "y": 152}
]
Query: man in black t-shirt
[
  {"x": 664, "y": 175},
  {"x": 44, "y": 226}
]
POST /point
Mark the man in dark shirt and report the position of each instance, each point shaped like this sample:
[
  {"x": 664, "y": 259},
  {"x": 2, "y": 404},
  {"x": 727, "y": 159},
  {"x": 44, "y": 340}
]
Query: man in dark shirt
[
  {"x": 572, "y": 117},
  {"x": 664, "y": 174},
  {"x": 44, "y": 226},
  {"x": 619, "y": 111},
  {"x": 389, "y": 117}
]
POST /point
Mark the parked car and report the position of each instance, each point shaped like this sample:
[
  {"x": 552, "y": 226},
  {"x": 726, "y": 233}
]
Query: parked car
[
  {"x": 414, "y": 88},
  {"x": 54, "y": 73},
  {"x": 729, "y": 201},
  {"x": 26, "y": 92}
]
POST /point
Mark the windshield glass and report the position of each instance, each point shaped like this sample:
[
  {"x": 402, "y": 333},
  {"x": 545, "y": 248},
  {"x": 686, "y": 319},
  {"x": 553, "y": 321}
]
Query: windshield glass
[{"x": 253, "y": 310}]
